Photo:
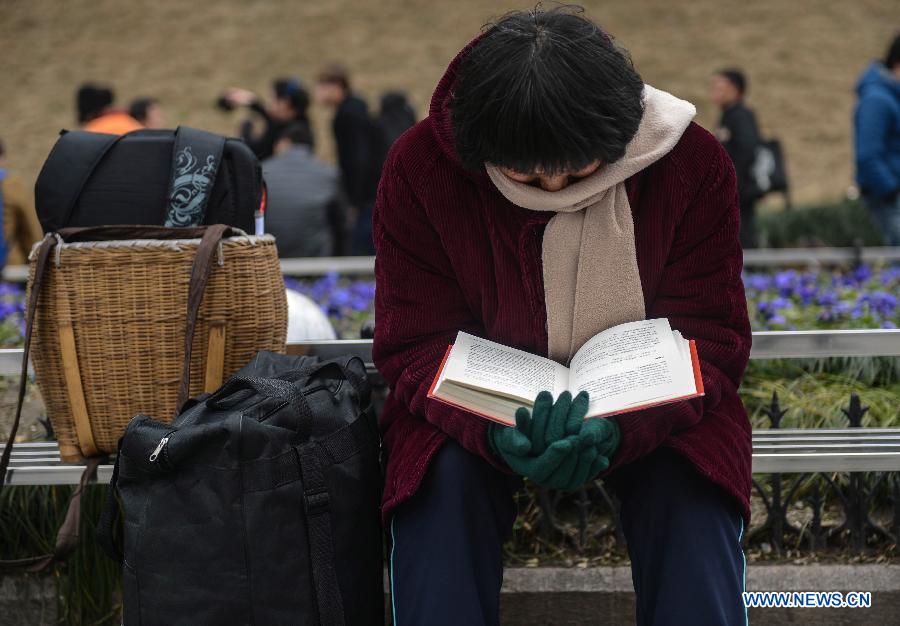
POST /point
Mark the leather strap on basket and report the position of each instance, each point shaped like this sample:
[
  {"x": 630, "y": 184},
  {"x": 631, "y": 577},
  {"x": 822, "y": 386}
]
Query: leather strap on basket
[
  {"x": 69, "y": 533},
  {"x": 203, "y": 261},
  {"x": 47, "y": 246}
]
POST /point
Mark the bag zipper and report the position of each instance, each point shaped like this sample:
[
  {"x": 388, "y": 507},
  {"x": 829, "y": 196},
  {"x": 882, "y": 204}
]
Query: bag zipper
[{"x": 159, "y": 448}]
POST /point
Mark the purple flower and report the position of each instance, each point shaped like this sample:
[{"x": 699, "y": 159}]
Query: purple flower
[
  {"x": 781, "y": 303},
  {"x": 7, "y": 309},
  {"x": 777, "y": 319},
  {"x": 758, "y": 282},
  {"x": 827, "y": 298},
  {"x": 363, "y": 289},
  {"x": 884, "y": 302},
  {"x": 888, "y": 324},
  {"x": 862, "y": 273},
  {"x": 807, "y": 294},
  {"x": 11, "y": 289},
  {"x": 359, "y": 303},
  {"x": 786, "y": 281},
  {"x": 340, "y": 297},
  {"x": 293, "y": 284},
  {"x": 890, "y": 275}
]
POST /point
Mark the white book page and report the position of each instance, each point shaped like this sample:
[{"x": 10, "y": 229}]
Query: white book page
[
  {"x": 500, "y": 409},
  {"x": 630, "y": 365},
  {"x": 684, "y": 375},
  {"x": 481, "y": 364}
]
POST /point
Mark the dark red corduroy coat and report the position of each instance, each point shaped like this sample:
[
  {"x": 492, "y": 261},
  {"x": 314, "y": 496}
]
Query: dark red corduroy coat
[{"x": 453, "y": 254}]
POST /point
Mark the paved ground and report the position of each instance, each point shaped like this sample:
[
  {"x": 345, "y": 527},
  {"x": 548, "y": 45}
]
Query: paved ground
[
  {"x": 594, "y": 596},
  {"x": 604, "y": 595}
]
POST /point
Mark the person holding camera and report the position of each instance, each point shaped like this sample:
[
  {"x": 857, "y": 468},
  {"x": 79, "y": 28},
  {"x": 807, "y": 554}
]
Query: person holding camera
[{"x": 288, "y": 104}]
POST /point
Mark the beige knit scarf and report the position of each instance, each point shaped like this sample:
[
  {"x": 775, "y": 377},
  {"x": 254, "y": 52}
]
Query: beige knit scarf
[{"x": 591, "y": 279}]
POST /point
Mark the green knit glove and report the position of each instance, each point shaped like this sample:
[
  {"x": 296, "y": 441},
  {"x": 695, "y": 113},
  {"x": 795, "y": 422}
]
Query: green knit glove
[
  {"x": 553, "y": 445},
  {"x": 605, "y": 435}
]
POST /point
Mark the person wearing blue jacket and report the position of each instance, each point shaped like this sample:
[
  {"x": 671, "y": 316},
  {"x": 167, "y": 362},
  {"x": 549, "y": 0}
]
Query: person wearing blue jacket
[{"x": 877, "y": 141}]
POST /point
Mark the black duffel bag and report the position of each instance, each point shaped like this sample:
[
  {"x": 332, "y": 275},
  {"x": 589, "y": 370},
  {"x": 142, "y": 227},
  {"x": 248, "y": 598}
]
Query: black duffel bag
[
  {"x": 183, "y": 177},
  {"x": 259, "y": 504}
]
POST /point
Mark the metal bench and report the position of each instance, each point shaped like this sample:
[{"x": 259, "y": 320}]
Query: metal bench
[{"x": 774, "y": 450}]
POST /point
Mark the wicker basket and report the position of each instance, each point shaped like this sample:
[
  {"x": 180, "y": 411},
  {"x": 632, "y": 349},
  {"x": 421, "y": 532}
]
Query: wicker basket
[{"x": 109, "y": 329}]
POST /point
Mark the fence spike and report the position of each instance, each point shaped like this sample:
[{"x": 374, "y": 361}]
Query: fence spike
[
  {"x": 774, "y": 411},
  {"x": 855, "y": 411}
]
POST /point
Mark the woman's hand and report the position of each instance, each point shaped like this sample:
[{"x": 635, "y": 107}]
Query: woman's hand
[{"x": 553, "y": 445}]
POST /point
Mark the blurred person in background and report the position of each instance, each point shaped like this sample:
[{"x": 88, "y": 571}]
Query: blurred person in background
[
  {"x": 395, "y": 116},
  {"x": 97, "y": 114},
  {"x": 877, "y": 141},
  {"x": 305, "y": 209},
  {"x": 21, "y": 228},
  {"x": 288, "y": 104},
  {"x": 739, "y": 133},
  {"x": 360, "y": 154},
  {"x": 147, "y": 111}
]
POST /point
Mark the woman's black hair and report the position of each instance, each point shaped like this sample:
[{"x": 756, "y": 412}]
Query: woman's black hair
[{"x": 545, "y": 90}]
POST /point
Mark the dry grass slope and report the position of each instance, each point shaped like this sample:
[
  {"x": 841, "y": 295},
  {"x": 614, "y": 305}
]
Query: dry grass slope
[{"x": 802, "y": 57}]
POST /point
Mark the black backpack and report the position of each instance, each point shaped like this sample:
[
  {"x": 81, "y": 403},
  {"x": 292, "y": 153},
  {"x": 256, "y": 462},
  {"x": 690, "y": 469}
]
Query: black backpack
[
  {"x": 183, "y": 177},
  {"x": 768, "y": 171},
  {"x": 259, "y": 504}
]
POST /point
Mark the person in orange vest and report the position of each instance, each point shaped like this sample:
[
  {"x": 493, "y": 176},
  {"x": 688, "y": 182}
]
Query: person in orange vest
[{"x": 97, "y": 114}]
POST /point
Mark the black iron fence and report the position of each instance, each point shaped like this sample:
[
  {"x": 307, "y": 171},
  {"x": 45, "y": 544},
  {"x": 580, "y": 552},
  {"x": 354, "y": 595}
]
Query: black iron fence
[{"x": 578, "y": 521}]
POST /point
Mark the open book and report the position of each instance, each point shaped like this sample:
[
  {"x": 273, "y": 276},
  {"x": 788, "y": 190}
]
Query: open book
[{"x": 624, "y": 368}]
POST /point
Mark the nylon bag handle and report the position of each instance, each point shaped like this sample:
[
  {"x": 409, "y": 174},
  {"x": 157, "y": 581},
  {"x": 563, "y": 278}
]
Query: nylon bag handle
[
  {"x": 269, "y": 388},
  {"x": 359, "y": 383}
]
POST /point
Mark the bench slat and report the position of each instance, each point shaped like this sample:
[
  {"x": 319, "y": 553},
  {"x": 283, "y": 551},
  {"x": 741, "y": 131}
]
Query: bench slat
[
  {"x": 780, "y": 450},
  {"x": 826, "y": 446},
  {"x": 821, "y": 462}
]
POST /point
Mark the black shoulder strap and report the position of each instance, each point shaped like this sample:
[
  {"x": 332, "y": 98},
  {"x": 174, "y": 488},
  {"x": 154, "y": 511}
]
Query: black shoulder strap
[
  {"x": 317, "y": 506},
  {"x": 69, "y": 166},
  {"x": 46, "y": 247},
  {"x": 195, "y": 163}
]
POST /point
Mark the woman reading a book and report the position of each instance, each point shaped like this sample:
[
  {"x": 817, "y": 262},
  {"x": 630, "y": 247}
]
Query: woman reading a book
[{"x": 551, "y": 195}]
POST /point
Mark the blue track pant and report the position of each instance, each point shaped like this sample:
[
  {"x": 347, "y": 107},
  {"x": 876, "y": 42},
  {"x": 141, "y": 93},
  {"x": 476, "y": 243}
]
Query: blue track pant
[{"x": 683, "y": 534}]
